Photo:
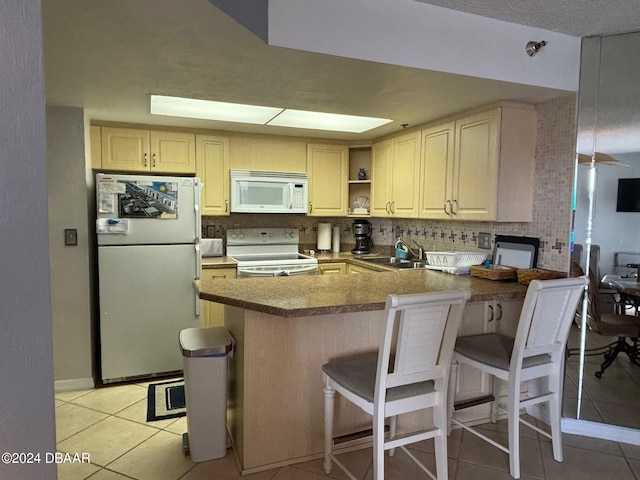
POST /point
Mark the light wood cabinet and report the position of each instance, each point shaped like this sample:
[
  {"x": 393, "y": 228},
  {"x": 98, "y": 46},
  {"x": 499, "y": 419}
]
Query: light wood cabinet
[
  {"x": 96, "y": 147},
  {"x": 351, "y": 268},
  {"x": 212, "y": 313},
  {"x": 437, "y": 171},
  {"x": 332, "y": 268},
  {"x": 133, "y": 150},
  {"x": 381, "y": 160},
  {"x": 474, "y": 386},
  {"x": 212, "y": 167},
  {"x": 480, "y": 167},
  {"x": 267, "y": 152},
  {"x": 359, "y": 189},
  {"x": 396, "y": 176},
  {"x": 328, "y": 170}
]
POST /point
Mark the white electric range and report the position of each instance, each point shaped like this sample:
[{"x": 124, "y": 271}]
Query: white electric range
[{"x": 268, "y": 252}]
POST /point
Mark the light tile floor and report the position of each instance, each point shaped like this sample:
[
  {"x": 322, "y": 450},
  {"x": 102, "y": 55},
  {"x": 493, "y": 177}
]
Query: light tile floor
[{"x": 110, "y": 424}]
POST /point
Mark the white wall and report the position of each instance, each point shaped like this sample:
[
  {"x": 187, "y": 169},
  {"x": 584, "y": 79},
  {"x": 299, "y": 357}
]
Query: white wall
[
  {"x": 26, "y": 372},
  {"x": 416, "y": 34},
  {"x": 70, "y": 273}
]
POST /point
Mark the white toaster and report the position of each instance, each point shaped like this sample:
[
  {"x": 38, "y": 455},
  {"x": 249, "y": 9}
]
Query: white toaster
[{"x": 211, "y": 247}]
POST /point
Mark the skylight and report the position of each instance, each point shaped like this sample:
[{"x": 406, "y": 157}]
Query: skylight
[{"x": 259, "y": 115}]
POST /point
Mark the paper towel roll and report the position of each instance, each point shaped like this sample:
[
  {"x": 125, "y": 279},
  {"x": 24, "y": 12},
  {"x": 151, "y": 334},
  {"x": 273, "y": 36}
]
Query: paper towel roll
[
  {"x": 336, "y": 239},
  {"x": 324, "y": 237}
]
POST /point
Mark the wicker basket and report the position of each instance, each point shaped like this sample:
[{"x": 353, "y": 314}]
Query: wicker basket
[
  {"x": 495, "y": 272},
  {"x": 525, "y": 276}
]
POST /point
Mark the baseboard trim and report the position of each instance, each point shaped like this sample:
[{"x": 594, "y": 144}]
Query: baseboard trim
[
  {"x": 601, "y": 430},
  {"x": 74, "y": 384}
]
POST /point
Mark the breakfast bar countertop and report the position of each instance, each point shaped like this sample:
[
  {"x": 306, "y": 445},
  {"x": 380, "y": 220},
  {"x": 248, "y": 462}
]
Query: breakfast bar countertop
[{"x": 308, "y": 295}]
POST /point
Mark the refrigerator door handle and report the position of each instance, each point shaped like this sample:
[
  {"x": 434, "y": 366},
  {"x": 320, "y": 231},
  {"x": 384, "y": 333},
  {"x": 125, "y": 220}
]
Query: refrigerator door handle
[
  {"x": 197, "y": 192},
  {"x": 198, "y": 275}
]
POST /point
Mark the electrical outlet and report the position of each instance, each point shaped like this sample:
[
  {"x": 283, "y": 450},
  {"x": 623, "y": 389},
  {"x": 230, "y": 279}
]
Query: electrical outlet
[
  {"x": 484, "y": 241},
  {"x": 70, "y": 236}
]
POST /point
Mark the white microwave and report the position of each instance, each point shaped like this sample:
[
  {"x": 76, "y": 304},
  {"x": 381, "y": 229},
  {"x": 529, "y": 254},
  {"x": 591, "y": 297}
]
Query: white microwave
[{"x": 254, "y": 191}]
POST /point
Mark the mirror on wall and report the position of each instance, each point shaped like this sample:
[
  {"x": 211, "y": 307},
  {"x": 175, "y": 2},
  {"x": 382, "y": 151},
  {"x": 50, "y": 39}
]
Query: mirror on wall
[{"x": 607, "y": 231}]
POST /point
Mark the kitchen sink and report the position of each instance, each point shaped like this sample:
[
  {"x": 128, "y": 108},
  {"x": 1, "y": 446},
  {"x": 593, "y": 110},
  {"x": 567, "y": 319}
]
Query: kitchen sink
[{"x": 396, "y": 262}]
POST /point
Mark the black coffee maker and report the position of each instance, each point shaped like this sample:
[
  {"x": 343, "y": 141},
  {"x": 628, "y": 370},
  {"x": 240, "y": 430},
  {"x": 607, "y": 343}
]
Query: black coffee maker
[{"x": 362, "y": 232}]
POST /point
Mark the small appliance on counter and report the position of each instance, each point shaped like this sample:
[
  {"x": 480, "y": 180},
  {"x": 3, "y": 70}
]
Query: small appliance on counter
[
  {"x": 211, "y": 247},
  {"x": 362, "y": 232}
]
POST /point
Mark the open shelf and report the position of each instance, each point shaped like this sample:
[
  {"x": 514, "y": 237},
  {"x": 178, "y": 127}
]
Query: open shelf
[{"x": 359, "y": 157}]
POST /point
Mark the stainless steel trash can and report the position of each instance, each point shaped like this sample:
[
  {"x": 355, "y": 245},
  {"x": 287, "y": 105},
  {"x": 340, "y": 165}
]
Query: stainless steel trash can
[{"x": 205, "y": 353}]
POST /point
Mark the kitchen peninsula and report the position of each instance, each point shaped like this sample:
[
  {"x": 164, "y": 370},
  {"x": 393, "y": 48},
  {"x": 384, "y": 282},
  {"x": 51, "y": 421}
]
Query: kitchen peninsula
[{"x": 287, "y": 327}]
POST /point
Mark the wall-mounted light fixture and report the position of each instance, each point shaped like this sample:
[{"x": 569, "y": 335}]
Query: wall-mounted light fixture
[{"x": 533, "y": 47}]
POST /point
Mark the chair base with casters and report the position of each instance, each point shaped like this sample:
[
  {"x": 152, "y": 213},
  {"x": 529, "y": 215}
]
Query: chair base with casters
[
  {"x": 619, "y": 346},
  {"x": 624, "y": 328},
  {"x": 409, "y": 373},
  {"x": 536, "y": 353}
]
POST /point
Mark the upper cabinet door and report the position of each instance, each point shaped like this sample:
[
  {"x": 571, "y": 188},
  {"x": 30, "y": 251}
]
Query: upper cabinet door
[
  {"x": 173, "y": 152},
  {"x": 381, "y": 163},
  {"x": 328, "y": 170},
  {"x": 133, "y": 150},
  {"x": 405, "y": 177},
  {"x": 480, "y": 167},
  {"x": 437, "y": 171},
  {"x": 212, "y": 167},
  {"x": 476, "y": 164},
  {"x": 125, "y": 149}
]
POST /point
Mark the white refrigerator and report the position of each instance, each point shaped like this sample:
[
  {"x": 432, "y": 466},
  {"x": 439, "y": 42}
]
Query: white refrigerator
[{"x": 148, "y": 234}]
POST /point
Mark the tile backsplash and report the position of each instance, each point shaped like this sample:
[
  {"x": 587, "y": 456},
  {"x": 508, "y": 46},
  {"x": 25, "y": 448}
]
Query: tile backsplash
[{"x": 551, "y": 223}]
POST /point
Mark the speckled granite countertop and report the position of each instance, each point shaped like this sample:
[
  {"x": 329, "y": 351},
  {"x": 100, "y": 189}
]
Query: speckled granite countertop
[{"x": 307, "y": 295}]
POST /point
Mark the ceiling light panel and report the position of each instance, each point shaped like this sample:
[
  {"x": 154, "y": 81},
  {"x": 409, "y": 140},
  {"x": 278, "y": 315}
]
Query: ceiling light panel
[
  {"x": 210, "y": 110},
  {"x": 326, "y": 121}
]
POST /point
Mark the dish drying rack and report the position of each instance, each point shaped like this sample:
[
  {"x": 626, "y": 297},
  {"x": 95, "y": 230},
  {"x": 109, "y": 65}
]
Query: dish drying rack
[{"x": 457, "y": 263}]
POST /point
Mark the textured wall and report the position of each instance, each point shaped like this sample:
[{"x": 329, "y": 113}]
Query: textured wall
[
  {"x": 554, "y": 165},
  {"x": 26, "y": 373},
  {"x": 70, "y": 278}
]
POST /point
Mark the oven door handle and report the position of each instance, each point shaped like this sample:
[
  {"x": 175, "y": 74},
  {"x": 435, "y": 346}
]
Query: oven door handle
[{"x": 311, "y": 269}]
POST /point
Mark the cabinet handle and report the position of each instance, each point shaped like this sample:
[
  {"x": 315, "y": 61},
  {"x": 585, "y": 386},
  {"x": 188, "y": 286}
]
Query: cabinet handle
[
  {"x": 310, "y": 207},
  {"x": 154, "y": 161},
  {"x": 387, "y": 207},
  {"x": 454, "y": 212},
  {"x": 447, "y": 202},
  {"x": 393, "y": 207},
  {"x": 145, "y": 160},
  {"x": 499, "y": 317},
  {"x": 491, "y": 316},
  {"x": 226, "y": 206}
]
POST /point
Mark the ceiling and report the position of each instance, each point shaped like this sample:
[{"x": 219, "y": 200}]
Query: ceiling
[
  {"x": 107, "y": 57},
  {"x": 578, "y": 18}
]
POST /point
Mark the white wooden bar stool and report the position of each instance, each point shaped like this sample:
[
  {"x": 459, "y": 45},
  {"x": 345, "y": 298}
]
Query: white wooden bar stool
[
  {"x": 410, "y": 372},
  {"x": 536, "y": 353}
]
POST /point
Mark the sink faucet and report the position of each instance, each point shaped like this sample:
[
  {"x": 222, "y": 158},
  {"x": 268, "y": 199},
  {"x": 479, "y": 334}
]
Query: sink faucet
[{"x": 420, "y": 250}]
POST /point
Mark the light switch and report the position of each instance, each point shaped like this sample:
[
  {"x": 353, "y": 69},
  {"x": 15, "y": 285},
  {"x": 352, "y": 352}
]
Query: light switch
[
  {"x": 484, "y": 241},
  {"x": 70, "y": 236}
]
